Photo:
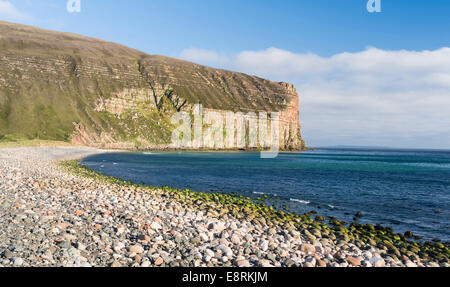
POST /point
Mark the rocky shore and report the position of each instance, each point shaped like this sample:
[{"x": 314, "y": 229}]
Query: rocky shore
[{"x": 53, "y": 215}]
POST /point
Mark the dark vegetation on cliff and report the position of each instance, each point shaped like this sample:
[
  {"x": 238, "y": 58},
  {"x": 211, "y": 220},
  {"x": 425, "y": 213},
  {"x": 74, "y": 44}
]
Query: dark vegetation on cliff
[{"x": 52, "y": 85}]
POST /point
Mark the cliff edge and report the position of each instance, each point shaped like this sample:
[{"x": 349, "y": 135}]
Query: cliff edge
[{"x": 62, "y": 86}]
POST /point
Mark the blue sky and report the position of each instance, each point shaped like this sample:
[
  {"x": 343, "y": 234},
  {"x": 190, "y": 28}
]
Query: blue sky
[
  {"x": 323, "y": 27},
  {"x": 335, "y": 52}
]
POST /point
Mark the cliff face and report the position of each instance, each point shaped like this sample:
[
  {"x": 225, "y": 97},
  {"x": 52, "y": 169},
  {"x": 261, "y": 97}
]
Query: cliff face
[{"x": 63, "y": 86}]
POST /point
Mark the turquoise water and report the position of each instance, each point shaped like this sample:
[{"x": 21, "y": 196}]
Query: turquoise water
[{"x": 407, "y": 190}]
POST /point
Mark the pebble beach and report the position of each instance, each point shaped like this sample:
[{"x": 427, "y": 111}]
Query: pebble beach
[{"x": 52, "y": 217}]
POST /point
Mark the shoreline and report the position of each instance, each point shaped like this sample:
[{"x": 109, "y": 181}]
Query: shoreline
[
  {"x": 164, "y": 148},
  {"x": 279, "y": 216},
  {"x": 183, "y": 228}
]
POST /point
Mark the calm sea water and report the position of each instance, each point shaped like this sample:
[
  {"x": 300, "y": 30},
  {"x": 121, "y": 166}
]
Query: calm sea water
[{"x": 407, "y": 190}]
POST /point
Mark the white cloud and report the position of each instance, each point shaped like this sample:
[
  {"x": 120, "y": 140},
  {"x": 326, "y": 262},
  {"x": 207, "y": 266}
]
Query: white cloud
[
  {"x": 373, "y": 97},
  {"x": 281, "y": 62},
  {"x": 9, "y": 12}
]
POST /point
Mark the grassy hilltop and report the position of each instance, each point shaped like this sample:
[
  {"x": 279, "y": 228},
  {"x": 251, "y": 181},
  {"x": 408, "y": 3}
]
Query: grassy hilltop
[{"x": 61, "y": 86}]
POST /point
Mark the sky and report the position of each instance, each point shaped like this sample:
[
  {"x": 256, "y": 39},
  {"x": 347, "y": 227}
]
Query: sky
[{"x": 365, "y": 79}]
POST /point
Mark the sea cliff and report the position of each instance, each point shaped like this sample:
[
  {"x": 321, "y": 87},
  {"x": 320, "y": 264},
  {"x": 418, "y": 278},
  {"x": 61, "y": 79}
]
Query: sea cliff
[{"x": 61, "y": 86}]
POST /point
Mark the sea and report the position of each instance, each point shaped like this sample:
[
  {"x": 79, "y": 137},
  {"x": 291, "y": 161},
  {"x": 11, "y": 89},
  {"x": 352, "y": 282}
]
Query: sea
[{"x": 408, "y": 190}]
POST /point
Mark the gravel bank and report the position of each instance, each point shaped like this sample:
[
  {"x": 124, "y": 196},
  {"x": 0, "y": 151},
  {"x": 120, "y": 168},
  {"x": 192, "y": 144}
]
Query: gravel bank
[{"x": 49, "y": 217}]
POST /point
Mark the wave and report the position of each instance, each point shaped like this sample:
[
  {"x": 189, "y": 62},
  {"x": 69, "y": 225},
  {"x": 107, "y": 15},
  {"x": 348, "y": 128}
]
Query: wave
[
  {"x": 150, "y": 153},
  {"x": 300, "y": 201},
  {"x": 259, "y": 193}
]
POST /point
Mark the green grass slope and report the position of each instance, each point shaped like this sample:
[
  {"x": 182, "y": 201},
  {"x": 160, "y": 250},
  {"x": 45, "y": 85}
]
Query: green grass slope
[{"x": 52, "y": 81}]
